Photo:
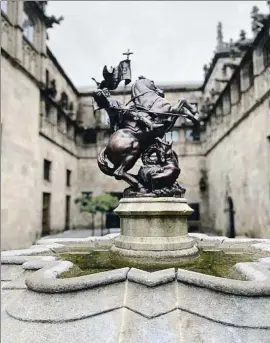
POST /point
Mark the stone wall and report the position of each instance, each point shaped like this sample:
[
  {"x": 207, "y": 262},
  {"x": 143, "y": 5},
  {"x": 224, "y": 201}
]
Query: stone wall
[
  {"x": 244, "y": 177},
  {"x": 20, "y": 210},
  {"x": 236, "y": 145},
  {"x": 61, "y": 160}
]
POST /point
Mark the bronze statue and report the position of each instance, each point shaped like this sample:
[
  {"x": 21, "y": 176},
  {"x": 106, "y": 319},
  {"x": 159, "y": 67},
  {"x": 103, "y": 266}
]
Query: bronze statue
[{"x": 139, "y": 129}]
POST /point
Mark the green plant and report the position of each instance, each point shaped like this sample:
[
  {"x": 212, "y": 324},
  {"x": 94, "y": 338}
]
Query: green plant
[
  {"x": 87, "y": 205},
  {"x": 101, "y": 203},
  {"x": 104, "y": 203}
]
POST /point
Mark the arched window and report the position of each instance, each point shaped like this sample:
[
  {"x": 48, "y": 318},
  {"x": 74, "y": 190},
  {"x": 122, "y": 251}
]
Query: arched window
[{"x": 28, "y": 26}]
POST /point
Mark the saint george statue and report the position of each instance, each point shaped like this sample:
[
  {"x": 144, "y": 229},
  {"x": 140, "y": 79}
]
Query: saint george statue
[{"x": 138, "y": 129}]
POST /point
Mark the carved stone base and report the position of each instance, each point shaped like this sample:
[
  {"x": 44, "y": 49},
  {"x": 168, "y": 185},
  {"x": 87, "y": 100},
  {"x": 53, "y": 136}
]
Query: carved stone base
[{"x": 154, "y": 230}]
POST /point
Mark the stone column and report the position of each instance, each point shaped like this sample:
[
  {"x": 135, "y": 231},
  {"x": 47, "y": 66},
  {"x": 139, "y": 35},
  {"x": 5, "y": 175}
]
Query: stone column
[{"x": 154, "y": 230}]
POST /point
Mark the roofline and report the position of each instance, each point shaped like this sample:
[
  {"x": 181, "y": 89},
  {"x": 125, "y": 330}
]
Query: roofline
[
  {"x": 61, "y": 70},
  {"x": 239, "y": 67},
  {"x": 213, "y": 63}
]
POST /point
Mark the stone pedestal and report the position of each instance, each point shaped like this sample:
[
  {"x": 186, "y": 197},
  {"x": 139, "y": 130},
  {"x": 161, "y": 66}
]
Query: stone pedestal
[{"x": 154, "y": 229}]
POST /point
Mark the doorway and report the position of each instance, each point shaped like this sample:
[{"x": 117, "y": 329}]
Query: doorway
[
  {"x": 231, "y": 218},
  {"x": 46, "y": 209},
  {"x": 67, "y": 217}
]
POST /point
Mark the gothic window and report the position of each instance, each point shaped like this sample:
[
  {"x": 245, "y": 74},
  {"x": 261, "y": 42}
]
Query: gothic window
[
  {"x": 236, "y": 90},
  {"x": 226, "y": 103},
  {"x": 71, "y": 107},
  {"x": 247, "y": 75},
  {"x": 70, "y": 132},
  {"x": 53, "y": 91},
  {"x": 219, "y": 109},
  {"x": 48, "y": 111},
  {"x": 266, "y": 53},
  {"x": 47, "y": 78},
  {"x": 251, "y": 72},
  {"x": 4, "y": 6},
  {"x": 64, "y": 100},
  {"x": 59, "y": 120},
  {"x": 28, "y": 26},
  {"x": 224, "y": 71}
]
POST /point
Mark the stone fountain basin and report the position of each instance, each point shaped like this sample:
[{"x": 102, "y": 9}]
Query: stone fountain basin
[{"x": 132, "y": 305}]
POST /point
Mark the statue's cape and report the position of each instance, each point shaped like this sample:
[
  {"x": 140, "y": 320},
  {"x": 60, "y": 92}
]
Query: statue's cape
[{"x": 113, "y": 77}]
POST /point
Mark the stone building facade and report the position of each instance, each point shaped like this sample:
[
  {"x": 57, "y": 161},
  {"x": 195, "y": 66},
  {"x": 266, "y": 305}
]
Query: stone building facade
[{"x": 50, "y": 137}]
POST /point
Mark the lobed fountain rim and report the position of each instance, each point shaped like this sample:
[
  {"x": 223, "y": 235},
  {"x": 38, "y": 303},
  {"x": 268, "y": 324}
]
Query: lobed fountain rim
[{"x": 47, "y": 269}]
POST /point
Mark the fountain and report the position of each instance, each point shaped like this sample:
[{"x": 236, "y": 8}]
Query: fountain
[{"x": 154, "y": 282}]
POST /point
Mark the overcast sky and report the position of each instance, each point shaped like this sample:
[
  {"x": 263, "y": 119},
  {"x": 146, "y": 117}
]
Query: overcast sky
[{"x": 171, "y": 40}]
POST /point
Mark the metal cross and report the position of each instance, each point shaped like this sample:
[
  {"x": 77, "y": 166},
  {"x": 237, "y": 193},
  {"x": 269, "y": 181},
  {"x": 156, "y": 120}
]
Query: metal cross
[{"x": 127, "y": 54}]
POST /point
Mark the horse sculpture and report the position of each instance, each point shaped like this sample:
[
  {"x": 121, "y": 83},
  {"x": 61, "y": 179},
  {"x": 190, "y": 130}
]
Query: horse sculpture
[{"x": 132, "y": 137}]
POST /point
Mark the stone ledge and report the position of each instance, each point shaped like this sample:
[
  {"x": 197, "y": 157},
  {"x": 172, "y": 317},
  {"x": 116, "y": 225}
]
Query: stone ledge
[
  {"x": 45, "y": 280},
  {"x": 157, "y": 255},
  {"x": 237, "y": 287},
  {"x": 154, "y": 243},
  {"x": 151, "y": 279},
  {"x": 255, "y": 271},
  {"x": 149, "y": 207}
]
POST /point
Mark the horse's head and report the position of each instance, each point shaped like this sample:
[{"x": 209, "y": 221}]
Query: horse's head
[
  {"x": 143, "y": 84},
  {"x": 164, "y": 149}
]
